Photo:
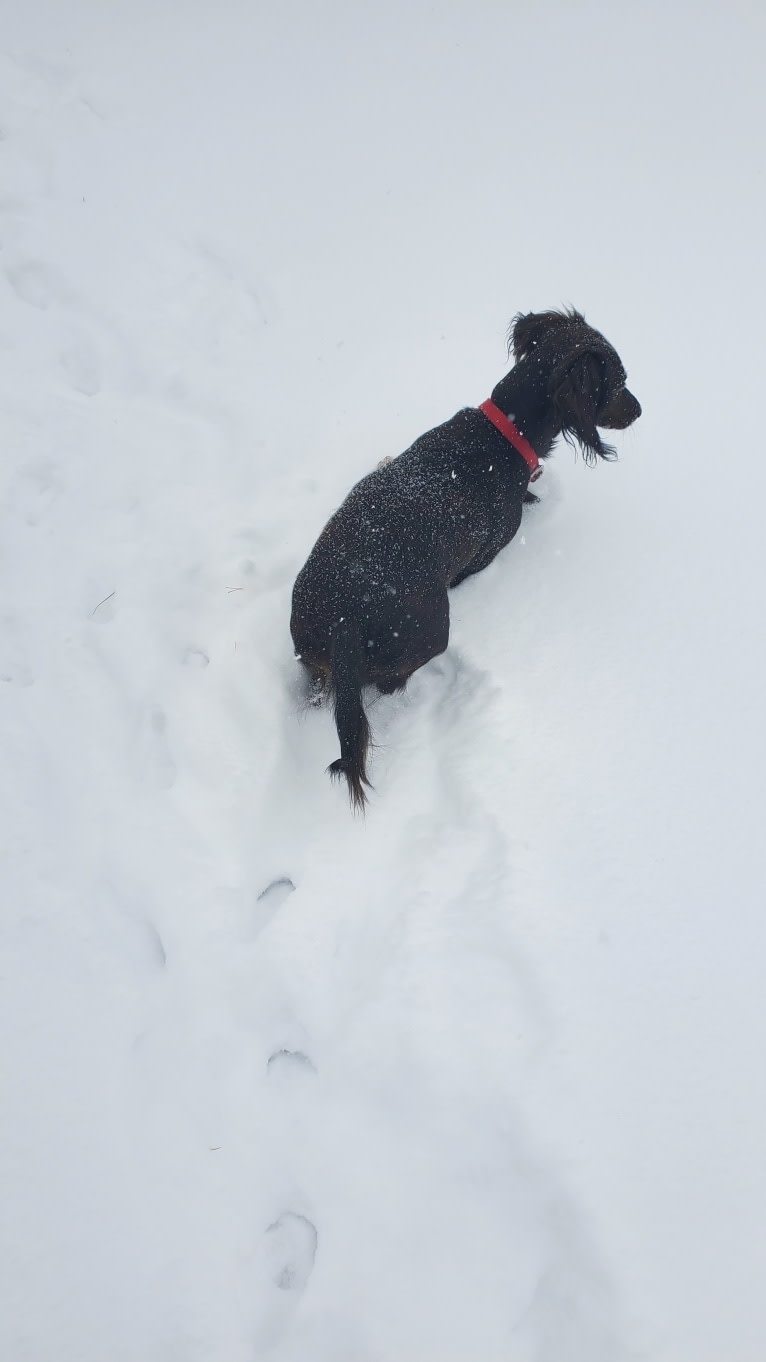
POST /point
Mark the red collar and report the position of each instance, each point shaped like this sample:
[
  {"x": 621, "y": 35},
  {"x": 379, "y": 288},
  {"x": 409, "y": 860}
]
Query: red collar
[{"x": 512, "y": 433}]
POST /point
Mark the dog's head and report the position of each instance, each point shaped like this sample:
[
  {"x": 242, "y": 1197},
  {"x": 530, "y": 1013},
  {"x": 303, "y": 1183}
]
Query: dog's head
[{"x": 584, "y": 375}]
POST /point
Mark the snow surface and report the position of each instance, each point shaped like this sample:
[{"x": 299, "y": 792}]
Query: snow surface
[{"x": 479, "y": 1078}]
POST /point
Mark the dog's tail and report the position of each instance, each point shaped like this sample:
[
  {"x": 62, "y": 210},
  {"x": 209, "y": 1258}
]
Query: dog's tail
[{"x": 350, "y": 718}]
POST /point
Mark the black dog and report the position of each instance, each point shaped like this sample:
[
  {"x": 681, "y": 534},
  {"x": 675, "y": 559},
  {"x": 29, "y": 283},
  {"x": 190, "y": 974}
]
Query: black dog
[{"x": 370, "y": 606}]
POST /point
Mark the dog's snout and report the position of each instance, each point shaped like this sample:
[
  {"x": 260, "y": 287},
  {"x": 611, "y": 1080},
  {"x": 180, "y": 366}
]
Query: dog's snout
[{"x": 621, "y": 412}]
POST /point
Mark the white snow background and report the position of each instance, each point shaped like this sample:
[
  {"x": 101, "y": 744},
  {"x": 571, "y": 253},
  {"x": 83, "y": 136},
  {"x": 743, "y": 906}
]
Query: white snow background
[{"x": 479, "y": 1078}]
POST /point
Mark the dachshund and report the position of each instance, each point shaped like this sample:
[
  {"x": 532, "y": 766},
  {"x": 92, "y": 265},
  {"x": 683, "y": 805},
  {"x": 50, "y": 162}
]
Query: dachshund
[{"x": 370, "y": 605}]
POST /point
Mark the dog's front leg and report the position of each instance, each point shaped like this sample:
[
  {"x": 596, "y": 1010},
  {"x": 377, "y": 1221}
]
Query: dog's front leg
[{"x": 476, "y": 564}]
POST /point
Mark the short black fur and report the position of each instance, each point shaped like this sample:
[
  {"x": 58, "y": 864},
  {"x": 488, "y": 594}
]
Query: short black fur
[{"x": 370, "y": 606}]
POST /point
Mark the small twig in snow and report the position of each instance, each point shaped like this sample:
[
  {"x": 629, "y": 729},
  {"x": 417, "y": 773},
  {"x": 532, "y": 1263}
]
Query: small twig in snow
[{"x": 106, "y": 598}]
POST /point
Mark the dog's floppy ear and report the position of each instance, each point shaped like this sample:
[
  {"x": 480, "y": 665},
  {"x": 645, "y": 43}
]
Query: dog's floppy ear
[
  {"x": 529, "y": 328},
  {"x": 576, "y": 389}
]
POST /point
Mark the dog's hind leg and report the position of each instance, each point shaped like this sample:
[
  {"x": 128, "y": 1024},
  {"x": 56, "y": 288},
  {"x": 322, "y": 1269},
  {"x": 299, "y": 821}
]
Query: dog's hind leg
[{"x": 485, "y": 557}]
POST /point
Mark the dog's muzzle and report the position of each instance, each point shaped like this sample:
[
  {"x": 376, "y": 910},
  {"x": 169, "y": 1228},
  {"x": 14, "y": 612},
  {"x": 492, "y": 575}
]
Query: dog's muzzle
[{"x": 621, "y": 412}]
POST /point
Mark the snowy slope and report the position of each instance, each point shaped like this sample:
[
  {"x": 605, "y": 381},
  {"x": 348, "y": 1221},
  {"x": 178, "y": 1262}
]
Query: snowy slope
[{"x": 479, "y": 1076}]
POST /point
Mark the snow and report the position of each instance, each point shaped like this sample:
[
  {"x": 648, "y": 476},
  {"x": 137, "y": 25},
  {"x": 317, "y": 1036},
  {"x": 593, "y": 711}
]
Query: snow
[{"x": 478, "y": 1076}]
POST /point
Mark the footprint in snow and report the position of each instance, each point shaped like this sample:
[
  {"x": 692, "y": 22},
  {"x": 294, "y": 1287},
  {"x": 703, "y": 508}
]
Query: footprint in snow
[
  {"x": 275, "y": 893},
  {"x": 37, "y": 284},
  {"x": 195, "y": 657},
  {"x": 17, "y": 676},
  {"x": 158, "y": 766},
  {"x": 81, "y": 365},
  {"x": 270, "y": 900},
  {"x": 288, "y": 1064},
  {"x": 291, "y": 1246}
]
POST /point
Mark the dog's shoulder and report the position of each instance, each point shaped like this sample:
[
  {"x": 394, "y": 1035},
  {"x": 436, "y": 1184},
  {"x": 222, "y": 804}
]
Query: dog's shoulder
[
  {"x": 446, "y": 440},
  {"x": 423, "y": 466}
]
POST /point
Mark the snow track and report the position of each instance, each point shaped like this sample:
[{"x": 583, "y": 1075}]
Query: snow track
[{"x": 410, "y": 1027}]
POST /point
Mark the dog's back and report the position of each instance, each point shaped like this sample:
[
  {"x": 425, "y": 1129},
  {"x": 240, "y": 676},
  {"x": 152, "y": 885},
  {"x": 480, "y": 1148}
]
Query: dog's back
[{"x": 398, "y": 541}]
